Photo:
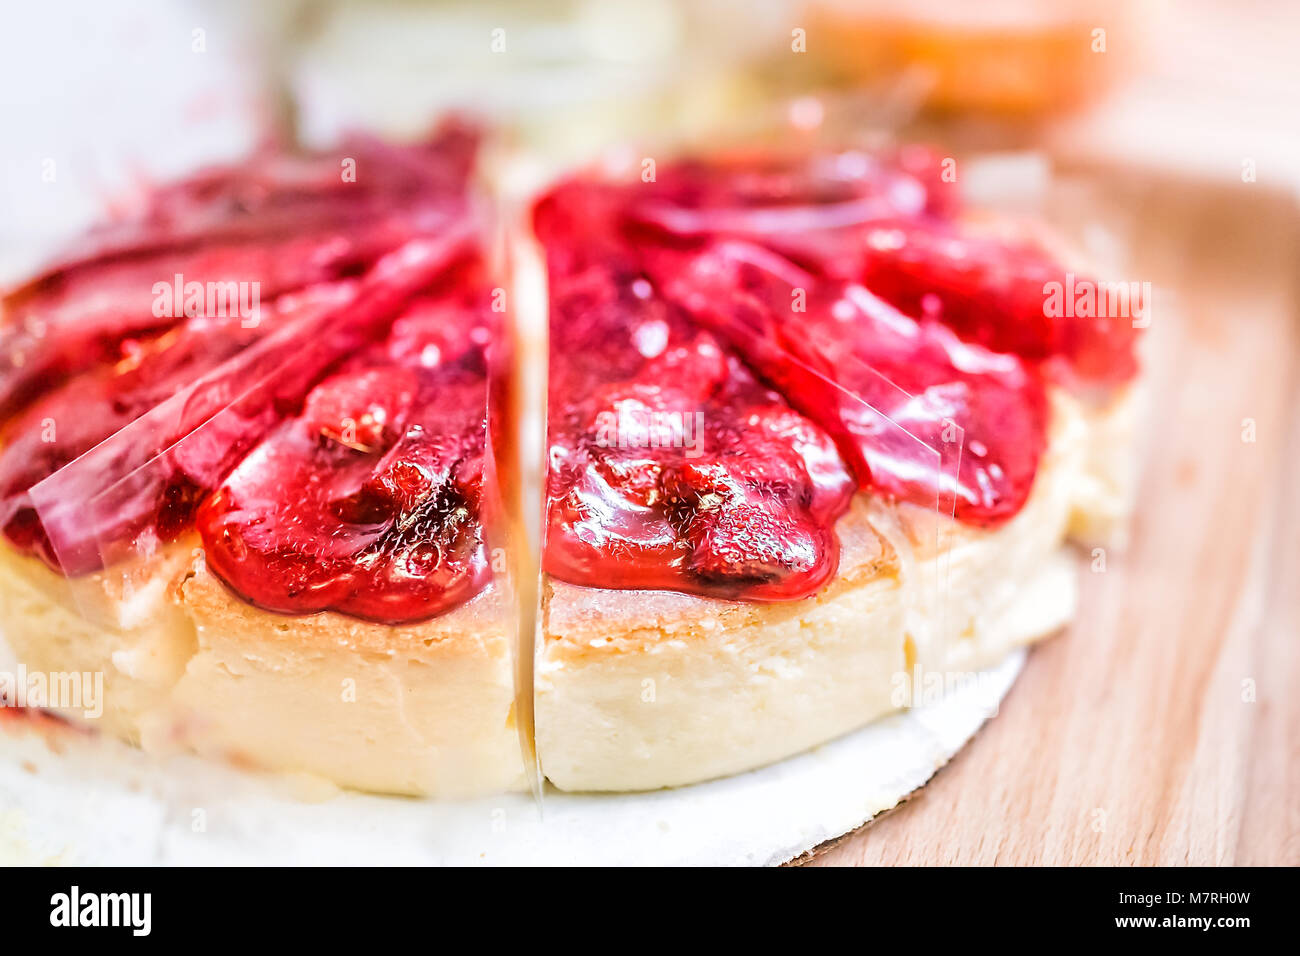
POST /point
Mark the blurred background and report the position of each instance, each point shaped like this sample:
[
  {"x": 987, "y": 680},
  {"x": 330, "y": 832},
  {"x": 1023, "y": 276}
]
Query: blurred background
[{"x": 96, "y": 98}]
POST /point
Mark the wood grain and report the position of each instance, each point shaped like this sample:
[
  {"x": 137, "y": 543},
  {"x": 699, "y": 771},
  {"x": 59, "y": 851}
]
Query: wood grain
[{"x": 1164, "y": 726}]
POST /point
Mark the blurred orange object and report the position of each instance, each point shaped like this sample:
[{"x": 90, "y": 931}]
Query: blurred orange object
[{"x": 1018, "y": 57}]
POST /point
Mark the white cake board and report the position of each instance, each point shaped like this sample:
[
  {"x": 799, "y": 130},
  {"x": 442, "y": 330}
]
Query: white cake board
[{"x": 73, "y": 798}]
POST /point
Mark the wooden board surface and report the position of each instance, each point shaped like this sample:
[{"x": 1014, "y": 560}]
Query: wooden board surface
[{"x": 1164, "y": 726}]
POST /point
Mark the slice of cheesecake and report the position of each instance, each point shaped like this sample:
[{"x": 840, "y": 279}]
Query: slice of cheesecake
[
  {"x": 814, "y": 451},
  {"x": 281, "y": 538}
]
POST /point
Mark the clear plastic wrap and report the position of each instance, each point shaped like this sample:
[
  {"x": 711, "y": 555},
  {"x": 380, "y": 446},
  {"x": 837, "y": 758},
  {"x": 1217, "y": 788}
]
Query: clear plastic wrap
[
  {"x": 95, "y": 511},
  {"x": 901, "y": 444}
]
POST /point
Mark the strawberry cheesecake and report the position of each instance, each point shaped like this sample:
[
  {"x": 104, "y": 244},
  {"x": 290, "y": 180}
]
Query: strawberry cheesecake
[
  {"x": 813, "y": 441},
  {"x": 277, "y": 533},
  {"x": 814, "y": 445}
]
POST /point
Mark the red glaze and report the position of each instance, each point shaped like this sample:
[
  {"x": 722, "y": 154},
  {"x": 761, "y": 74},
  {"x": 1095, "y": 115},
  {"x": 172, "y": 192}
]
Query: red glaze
[
  {"x": 368, "y": 500},
  {"x": 893, "y": 227},
  {"x": 279, "y": 194},
  {"x": 333, "y": 450},
  {"x": 993, "y": 291},
  {"x": 141, "y": 486},
  {"x": 793, "y": 271},
  {"x": 700, "y": 434},
  {"x": 671, "y": 466},
  {"x": 75, "y": 417},
  {"x": 907, "y": 380},
  {"x": 277, "y": 224}
]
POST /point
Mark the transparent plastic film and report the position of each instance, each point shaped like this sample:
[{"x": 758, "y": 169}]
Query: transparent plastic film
[
  {"x": 313, "y": 543},
  {"x": 829, "y": 265},
  {"x": 514, "y": 403},
  {"x": 136, "y": 488},
  {"x": 167, "y": 270},
  {"x": 813, "y": 340},
  {"x": 920, "y": 525}
]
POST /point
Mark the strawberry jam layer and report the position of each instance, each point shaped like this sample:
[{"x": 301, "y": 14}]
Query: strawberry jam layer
[
  {"x": 330, "y": 447},
  {"x": 893, "y": 226},
  {"x": 140, "y": 486},
  {"x": 670, "y": 465},
  {"x": 889, "y": 388},
  {"x": 909, "y": 352},
  {"x": 242, "y": 235},
  {"x": 367, "y": 501},
  {"x": 74, "y": 417}
]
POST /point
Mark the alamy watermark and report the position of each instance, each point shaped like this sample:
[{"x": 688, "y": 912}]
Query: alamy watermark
[
  {"x": 133, "y": 911},
  {"x": 1087, "y": 299},
  {"x": 642, "y": 428},
  {"x": 180, "y": 299},
  {"x": 58, "y": 690},
  {"x": 922, "y": 687}
]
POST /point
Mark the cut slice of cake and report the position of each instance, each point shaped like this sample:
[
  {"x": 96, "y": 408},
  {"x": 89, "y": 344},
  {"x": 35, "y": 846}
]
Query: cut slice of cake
[
  {"x": 280, "y": 536},
  {"x": 814, "y": 443}
]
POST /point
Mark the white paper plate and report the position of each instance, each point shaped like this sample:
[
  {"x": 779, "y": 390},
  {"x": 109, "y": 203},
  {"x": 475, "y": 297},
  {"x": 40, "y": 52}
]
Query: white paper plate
[{"x": 67, "y": 797}]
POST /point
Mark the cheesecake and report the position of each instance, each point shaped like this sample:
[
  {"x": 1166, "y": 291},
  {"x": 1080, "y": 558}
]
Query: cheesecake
[
  {"x": 280, "y": 534},
  {"x": 814, "y": 448}
]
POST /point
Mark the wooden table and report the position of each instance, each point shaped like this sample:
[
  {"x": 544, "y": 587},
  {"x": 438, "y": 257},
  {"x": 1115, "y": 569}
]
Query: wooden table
[{"x": 1164, "y": 726}]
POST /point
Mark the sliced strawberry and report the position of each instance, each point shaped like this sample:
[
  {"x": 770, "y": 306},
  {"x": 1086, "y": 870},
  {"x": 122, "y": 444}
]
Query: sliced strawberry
[
  {"x": 364, "y": 410},
  {"x": 757, "y": 547},
  {"x": 274, "y": 225},
  {"x": 385, "y": 525},
  {"x": 996, "y": 293}
]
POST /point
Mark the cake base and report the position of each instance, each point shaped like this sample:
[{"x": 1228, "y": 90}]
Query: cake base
[
  {"x": 426, "y": 708},
  {"x": 78, "y": 800}
]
